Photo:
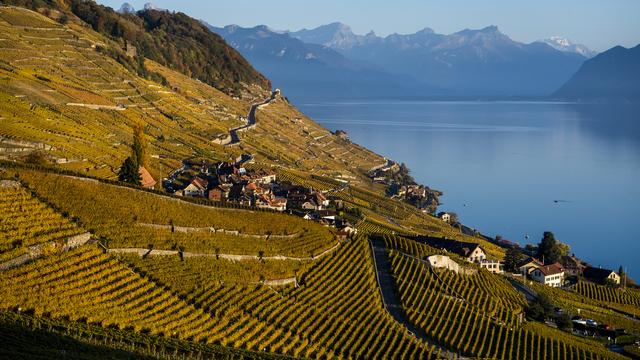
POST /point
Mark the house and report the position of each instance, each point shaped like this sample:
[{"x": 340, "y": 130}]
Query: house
[
  {"x": 445, "y": 216},
  {"x": 273, "y": 203},
  {"x": 263, "y": 176},
  {"x": 219, "y": 193},
  {"x": 492, "y": 266},
  {"x": 550, "y": 275},
  {"x": 527, "y": 265},
  {"x": 471, "y": 252},
  {"x": 147, "y": 180},
  {"x": 197, "y": 188},
  {"x": 343, "y": 235},
  {"x": 572, "y": 265},
  {"x": 601, "y": 276}
]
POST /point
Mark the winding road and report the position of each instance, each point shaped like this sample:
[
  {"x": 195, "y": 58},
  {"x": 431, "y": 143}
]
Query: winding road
[{"x": 251, "y": 120}]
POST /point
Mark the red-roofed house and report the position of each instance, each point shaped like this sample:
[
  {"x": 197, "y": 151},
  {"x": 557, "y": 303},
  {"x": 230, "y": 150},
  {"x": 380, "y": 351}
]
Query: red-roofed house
[
  {"x": 550, "y": 275},
  {"x": 197, "y": 188},
  {"x": 147, "y": 180}
]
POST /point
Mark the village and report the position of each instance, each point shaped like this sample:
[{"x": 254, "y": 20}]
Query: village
[{"x": 232, "y": 182}]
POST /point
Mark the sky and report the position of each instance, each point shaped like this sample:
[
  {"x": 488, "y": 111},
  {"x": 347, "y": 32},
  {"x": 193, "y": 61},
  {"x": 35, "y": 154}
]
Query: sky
[{"x": 599, "y": 24}]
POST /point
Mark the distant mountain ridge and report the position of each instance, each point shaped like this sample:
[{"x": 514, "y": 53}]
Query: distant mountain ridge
[
  {"x": 611, "y": 75},
  {"x": 468, "y": 62}
]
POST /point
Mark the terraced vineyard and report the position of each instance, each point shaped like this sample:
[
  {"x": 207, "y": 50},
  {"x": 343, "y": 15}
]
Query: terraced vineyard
[
  {"x": 478, "y": 315},
  {"x": 336, "y": 311},
  {"x": 116, "y": 214},
  {"x": 188, "y": 274},
  {"x": 618, "y": 315},
  {"x": 25, "y": 222},
  {"x": 623, "y": 298},
  {"x": 31, "y": 337}
]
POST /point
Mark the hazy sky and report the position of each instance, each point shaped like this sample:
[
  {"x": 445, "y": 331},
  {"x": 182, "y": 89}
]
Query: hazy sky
[{"x": 599, "y": 24}]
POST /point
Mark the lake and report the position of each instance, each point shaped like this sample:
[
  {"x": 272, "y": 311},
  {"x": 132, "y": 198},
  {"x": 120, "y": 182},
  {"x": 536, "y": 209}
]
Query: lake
[{"x": 516, "y": 169}]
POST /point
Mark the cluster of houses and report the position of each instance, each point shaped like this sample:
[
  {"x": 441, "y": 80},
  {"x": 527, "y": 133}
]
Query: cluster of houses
[
  {"x": 418, "y": 195},
  {"x": 230, "y": 182},
  {"x": 555, "y": 274}
]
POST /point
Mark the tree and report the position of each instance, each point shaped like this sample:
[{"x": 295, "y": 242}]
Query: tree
[
  {"x": 622, "y": 275},
  {"x": 541, "y": 308},
  {"x": 129, "y": 172},
  {"x": 551, "y": 250},
  {"x": 511, "y": 259},
  {"x": 564, "y": 322},
  {"x": 139, "y": 147}
]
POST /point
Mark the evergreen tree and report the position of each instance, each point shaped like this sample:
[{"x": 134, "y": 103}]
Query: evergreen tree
[
  {"x": 623, "y": 275},
  {"x": 129, "y": 172},
  {"x": 139, "y": 145},
  {"x": 549, "y": 248}
]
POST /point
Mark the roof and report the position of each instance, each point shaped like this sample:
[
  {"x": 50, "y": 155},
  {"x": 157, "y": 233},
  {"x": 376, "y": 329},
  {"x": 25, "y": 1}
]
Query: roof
[
  {"x": 530, "y": 260},
  {"x": 147, "y": 179},
  {"x": 597, "y": 273},
  {"x": 464, "y": 249},
  {"x": 553, "y": 269},
  {"x": 200, "y": 183}
]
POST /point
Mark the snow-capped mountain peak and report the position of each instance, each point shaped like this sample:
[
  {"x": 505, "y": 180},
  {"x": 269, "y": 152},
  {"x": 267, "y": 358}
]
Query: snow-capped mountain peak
[{"x": 565, "y": 45}]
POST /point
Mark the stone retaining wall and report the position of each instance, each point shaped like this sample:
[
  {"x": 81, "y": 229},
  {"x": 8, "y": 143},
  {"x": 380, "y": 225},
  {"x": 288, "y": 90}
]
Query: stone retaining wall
[{"x": 212, "y": 230}]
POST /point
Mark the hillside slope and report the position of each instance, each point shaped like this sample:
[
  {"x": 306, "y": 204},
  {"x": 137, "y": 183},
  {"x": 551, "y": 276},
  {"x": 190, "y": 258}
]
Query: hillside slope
[
  {"x": 80, "y": 104},
  {"x": 162, "y": 36},
  {"x": 611, "y": 75}
]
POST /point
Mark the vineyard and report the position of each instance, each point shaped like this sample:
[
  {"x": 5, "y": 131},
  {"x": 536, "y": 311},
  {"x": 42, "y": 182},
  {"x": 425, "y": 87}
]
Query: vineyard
[
  {"x": 623, "y": 299},
  {"x": 189, "y": 274},
  {"x": 336, "y": 310},
  {"x": 27, "y": 336},
  {"x": 25, "y": 221},
  {"x": 479, "y": 315},
  {"x": 115, "y": 214},
  {"x": 605, "y": 312}
]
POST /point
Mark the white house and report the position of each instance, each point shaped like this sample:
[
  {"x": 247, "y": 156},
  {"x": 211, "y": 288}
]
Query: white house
[
  {"x": 445, "y": 216},
  {"x": 493, "y": 266},
  {"x": 197, "y": 188},
  {"x": 550, "y": 275}
]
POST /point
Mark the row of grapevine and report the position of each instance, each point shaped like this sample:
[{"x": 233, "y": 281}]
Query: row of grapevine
[
  {"x": 25, "y": 221},
  {"x": 608, "y": 294},
  {"x": 462, "y": 315},
  {"x": 26, "y": 336}
]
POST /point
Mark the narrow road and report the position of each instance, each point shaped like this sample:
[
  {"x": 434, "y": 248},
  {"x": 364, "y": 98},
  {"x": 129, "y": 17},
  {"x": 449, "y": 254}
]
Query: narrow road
[
  {"x": 529, "y": 294},
  {"x": 251, "y": 120},
  {"x": 391, "y": 298}
]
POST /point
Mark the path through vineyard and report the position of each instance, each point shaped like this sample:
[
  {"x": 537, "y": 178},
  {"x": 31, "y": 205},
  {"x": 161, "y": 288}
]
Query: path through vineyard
[{"x": 391, "y": 298}]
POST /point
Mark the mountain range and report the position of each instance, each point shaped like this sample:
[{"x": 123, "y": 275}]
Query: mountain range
[
  {"x": 468, "y": 62},
  {"x": 307, "y": 69}
]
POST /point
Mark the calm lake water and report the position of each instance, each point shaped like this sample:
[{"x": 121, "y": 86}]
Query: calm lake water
[{"x": 502, "y": 166}]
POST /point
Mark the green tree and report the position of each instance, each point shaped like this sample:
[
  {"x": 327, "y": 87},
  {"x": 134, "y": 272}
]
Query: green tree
[
  {"x": 564, "y": 322},
  {"x": 512, "y": 257},
  {"x": 623, "y": 276},
  {"x": 129, "y": 172},
  {"x": 550, "y": 249}
]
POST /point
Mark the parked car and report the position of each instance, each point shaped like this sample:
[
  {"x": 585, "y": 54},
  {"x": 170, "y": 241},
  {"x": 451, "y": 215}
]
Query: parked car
[{"x": 591, "y": 322}]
